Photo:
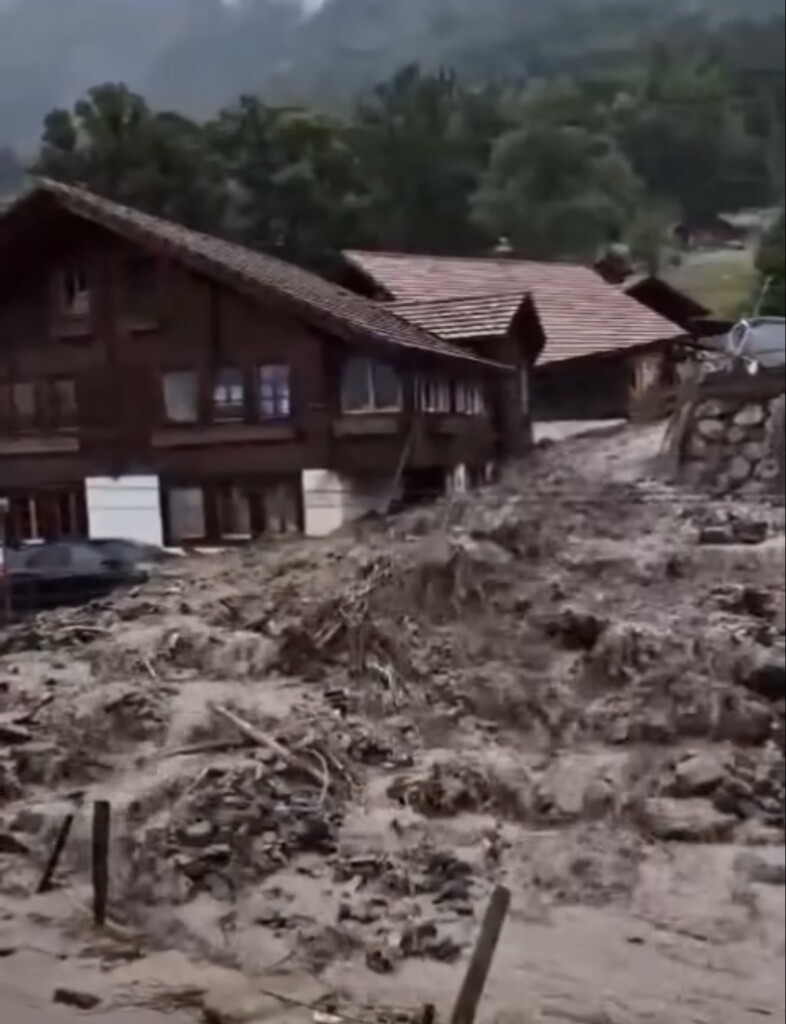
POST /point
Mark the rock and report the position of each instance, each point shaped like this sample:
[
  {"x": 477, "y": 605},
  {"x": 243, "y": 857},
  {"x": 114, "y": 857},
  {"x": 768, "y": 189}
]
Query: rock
[
  {"x": 755, "y": 833},
  {"x": 710, "y": 429},
  {"x": 687, "y": 821},
  {"x": 578, "y": 630},
  {"x": 739, "y": 470},
  {"x": 10, "y": 845},
  {"x": 759, "y": 870},
  {"x": 750, "y": 416},
  {"x": 697, "y": 446},
  {"x": 763, "y": 672},
  {"x": 712, "y": 536},
  {"x": 699, "y": 775},
  {"x": 754, "y": 451},
  {"x": 736, "y": 435},
  {"x": 381, "y": 960},
  {"x": 14, "y": 735},
  {"x": 750, "y": 531},
  {"x": 79, "y": 1000},
  {"x": 198, "y": 834},
  {"x": 768, "y": 470},
  {"x": 713, "y": 410},
  {"x": 745, "y": 719}
]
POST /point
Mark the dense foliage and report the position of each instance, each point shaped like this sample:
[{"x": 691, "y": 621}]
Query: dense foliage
[{"x": 431, "y": 161}]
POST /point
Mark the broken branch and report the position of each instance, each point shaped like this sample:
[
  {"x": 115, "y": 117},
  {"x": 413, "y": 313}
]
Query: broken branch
[{"x": 268, "y": 743}]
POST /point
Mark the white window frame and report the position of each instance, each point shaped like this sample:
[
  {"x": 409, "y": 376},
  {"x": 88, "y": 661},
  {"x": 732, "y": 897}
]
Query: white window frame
[
  {"x": 372, "y": 408},
  {"x": 434, "y": 394},
  {"x": 272, "y": 390},
  {"x": 75, "y": 292},
  {"x": 169, "y": 376},
  {"x": 470, "y": 399},
  {"x": 233, "y": 411}
]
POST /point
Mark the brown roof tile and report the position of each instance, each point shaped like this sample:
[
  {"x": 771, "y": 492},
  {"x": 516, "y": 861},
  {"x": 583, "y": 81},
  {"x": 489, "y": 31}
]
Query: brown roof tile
[
  {"x": 464, "y": 319},
  {"x": 324, "y": 304},
  {"x": 580, "y": 313}
]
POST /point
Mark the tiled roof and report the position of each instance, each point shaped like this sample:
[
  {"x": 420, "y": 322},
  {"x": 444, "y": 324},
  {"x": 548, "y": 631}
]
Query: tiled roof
[
  {"x": 580, "y": 313},
  {"x": 479, "y": 316},
  {"x": 324, "y": 304}
]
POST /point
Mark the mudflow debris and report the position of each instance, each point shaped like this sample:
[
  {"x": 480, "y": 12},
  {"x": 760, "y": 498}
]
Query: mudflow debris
[{"x": 343, "y": 745}]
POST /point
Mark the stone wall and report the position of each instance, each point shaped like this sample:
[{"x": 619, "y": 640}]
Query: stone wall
[{"x": 734, "y": 445}]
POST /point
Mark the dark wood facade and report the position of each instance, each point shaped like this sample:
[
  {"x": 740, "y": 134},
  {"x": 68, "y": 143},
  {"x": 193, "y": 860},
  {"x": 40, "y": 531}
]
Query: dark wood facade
[{"x": 94, "y": 328}]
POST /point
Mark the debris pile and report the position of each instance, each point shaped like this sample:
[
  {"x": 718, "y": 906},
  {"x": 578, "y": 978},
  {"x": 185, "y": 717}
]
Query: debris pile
[{"x": 388, "y": 716}]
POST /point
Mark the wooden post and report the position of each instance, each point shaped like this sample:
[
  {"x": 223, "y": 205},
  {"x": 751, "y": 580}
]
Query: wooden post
[
  {"x": 477, "y": 974},
  {"x": 57, "y": 852},
  {"x": 102, "y": 814}
]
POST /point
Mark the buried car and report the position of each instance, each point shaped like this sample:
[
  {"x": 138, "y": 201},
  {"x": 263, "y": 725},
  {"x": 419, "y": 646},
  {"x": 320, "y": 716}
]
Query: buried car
[{"x": 63, "y": 573}]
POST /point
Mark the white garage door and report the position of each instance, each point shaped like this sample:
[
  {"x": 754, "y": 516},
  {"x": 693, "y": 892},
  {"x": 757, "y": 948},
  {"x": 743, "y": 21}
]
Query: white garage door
[{"x": 126, "y": 508}]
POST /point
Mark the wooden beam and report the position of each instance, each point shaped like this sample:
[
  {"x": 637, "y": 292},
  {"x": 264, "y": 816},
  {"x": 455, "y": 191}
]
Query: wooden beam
[
  {"x": 469, "y": 997},
  {"x": 102, "y": 814}
]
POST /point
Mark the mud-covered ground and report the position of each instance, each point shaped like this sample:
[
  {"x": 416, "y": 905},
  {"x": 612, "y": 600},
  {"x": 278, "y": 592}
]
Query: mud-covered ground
[{"x": 323, "y": 756}]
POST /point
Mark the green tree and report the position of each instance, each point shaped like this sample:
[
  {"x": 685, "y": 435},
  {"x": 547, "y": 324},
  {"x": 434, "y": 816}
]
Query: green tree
[
  {"x": 115, "y": 145},
  {"x": 292, "y": 179},
  {"x": 558, "y": 192},
  {"x": 687, "y": 136},
  {"x": 423, "y": 142},
  {"x": 771, "y": 264}
]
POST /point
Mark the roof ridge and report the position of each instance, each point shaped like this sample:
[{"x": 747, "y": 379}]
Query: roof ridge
[
  {"x": 449, "y": 300},
  {"x": 502, "y": 261}
]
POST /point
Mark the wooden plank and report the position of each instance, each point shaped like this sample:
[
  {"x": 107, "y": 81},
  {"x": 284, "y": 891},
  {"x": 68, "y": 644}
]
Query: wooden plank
[
  {"x": 102, "y": 815},
  {"x": 469, "y": 997},
  {"x": 57, "y": 852}
]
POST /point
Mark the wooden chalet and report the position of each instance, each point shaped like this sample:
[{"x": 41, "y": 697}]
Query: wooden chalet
[{"x": 163, "y": 385}]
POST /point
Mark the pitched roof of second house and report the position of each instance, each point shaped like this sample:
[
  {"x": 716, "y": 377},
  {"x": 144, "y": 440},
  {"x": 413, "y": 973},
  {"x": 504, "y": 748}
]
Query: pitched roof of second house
[
  {"x": 463, "y": 319},
  {"x": 325, "y": 304},
  {"x": 580, "y": 313}
]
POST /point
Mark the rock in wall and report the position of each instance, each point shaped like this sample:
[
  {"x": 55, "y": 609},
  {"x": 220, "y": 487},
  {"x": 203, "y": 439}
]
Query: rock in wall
[{"x": 735, "y": 445}]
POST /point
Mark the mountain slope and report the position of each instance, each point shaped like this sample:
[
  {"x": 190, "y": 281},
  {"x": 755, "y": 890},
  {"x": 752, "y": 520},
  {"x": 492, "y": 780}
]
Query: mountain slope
[{"x": 195, "y": 55}]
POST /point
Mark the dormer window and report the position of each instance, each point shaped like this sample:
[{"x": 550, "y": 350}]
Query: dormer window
[{"x": 75, "y": 292}]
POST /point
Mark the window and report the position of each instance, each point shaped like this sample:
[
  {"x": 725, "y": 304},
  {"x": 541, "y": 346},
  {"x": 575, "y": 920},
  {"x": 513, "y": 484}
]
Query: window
[
  {"x": 48, "y": 515},
  {"x": 433, "y": 394},
  {"x": 470, "y": 400},
  {"x": 280, "y": 508},
  {"x": 234, "y": 514},
  {"x": 62, "y": 403},
  {"x": 140, "y": 291},
  {"x": 75, "y": 292},
  {"x": 275, "y": 395},
  {"x": 229, "y": 397},
  {"x": 23, "y": 405},
  {"x": 370, "y": 387},
  {"x": 187, "y": 514},
  {"x": 181, "y": 397}
]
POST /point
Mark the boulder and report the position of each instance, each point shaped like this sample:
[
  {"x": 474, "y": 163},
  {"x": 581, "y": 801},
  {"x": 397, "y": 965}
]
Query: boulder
[
  {"x": 750, "y": 416},
  {"x": 768, "y": 470},
  {"x": 710, "y": 429},
  {"x": 739, "y": 470},
  {"x": 736, "y": 435},
  {"x": 698, "y": 775},
  {"x": 759, "y": 870},
  {"x": 687, "y": 821},
  {"x": 763, "y": 672},
  {"x": 79, "y": 1000},
  {"x": 754, "y": 451}
]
